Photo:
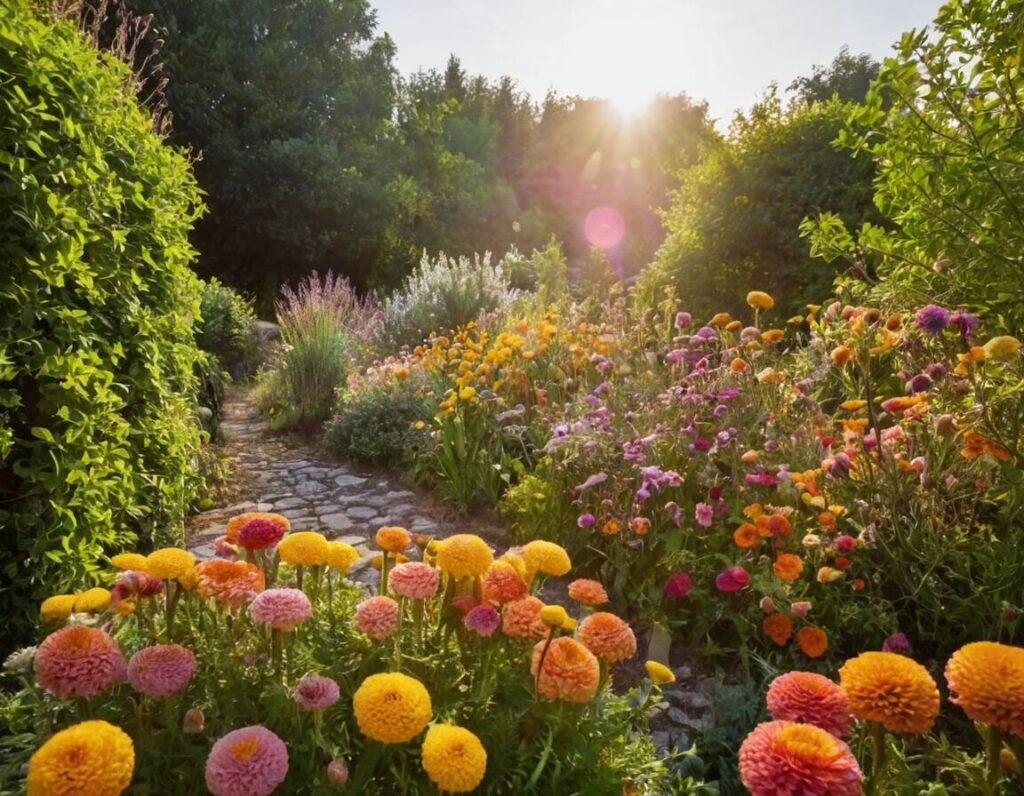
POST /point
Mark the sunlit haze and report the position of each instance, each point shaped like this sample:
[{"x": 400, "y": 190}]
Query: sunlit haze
[{"x": 722, "y": 51}]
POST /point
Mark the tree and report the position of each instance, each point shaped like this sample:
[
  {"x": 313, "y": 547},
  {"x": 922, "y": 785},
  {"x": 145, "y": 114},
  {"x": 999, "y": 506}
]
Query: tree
[{"x": 848, "y": 78}]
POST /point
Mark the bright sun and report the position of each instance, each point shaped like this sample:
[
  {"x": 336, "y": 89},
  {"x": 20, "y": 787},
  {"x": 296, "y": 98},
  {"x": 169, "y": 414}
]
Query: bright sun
[{"x": 630, "y": 104}]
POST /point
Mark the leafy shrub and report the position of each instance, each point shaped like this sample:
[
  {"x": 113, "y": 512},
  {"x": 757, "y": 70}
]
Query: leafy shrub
[
  {"x": 227, "y": 328},
  {"x": 444, "y": 293},
  {"x": 97, "y": 306},
  {"x": 377, "y": 427}
]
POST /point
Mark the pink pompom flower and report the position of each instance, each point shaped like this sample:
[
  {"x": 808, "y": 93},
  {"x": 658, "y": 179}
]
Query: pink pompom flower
[
  {"x": 251, "y": 761},
  {"x": 483, "y": 619},
  {"x": 315, "y": 692},
  {"x": 812, "y": 699},
  {"x": 377, "y": 617},
  {"x": 414, "y": 580},
  {"x": 259, "y": 534},
  {"x": 282, "y": 609},
  {"x": 678, "y": 585},
  {"x": 161, "y": 670},
  {"x": 788, "y": 757},
  {"x": 732, "y": 579},
  {"x": 78, "y": 661}
]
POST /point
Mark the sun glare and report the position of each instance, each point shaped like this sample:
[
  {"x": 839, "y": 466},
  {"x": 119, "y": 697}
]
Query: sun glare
[{"x": 630, "y": 104}]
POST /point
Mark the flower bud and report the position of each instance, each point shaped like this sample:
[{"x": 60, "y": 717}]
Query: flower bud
[
  {"x": 194, "y": 722},
  {"x": 337, "y": 771}
]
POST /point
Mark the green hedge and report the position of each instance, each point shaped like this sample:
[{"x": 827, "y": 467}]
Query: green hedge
[{"x": 97, "y": 304}]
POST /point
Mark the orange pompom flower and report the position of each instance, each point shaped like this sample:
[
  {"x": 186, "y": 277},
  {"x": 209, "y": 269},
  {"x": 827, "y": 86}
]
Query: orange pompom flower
[
  {"x": 746, "y": 536},
  {"x": 502, "y": 584},
  {"x": 230, "y": 583},
  {"x": 812, "y": 641},
  {"x": 788, "y": 566},
  {"x": 987, "y": 680},
  {"x": 608, "y": 637},
  {"x": 571, "y": 672},
  {"x": 521, "y": 619},
  {"x": 812, "y": 699},
  {"x": 588, "y": 592},
  {"x": 891, "y": 689},
  {"x": 393, "y": 539},
  {"x": 778, "y": 627},
  {"x": 786, "y": 757}
]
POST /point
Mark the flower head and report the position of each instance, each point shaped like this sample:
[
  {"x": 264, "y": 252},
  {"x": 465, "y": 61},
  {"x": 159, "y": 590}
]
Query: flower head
[
  {"x": 377, "y": 617},
  {"x": 282, "y": 609},
  {"x": 57, "y": 608},
  {"x": 414, "y": 580},
  {"x": 315, "y": 692},
  {"x": 554, "y": 616},
  {"x": 759, "y": 300},
  {"x": 259, "y": 534},
  {"x": 161, "y": 670},
  {"x": 932, "y": 319},
  {"x": 812, "y": 641},
  {"x": 303, "y": 549},
  {"x": 125, "y": 561},
  {"x": 812, "y": 699},
  {"x": 393, "y": 539},
  {"x": 235, "y": 524},
  {"x": 453, "y": 758},
  {"x": 391, "y": 707},
  {"x": 546, "y": 557},
  {"x": 341, "y": 555},
  {"x": 521, "y": 619},
  {"x": 230, "y": 583},
  {"x": 588, "y": 592},
  {"x": 134, "y": 583},
  {"x": 608, "y": 637},
  {"x": 92, "y": 757},
  {"x": 788, "y": 566},
  {"x": 732, "y": 579},
  {"x": 898, "y": 643},
  {"x": 987, "y": 680},
  {"x": 503, "y": 584},
  {"x": 482, "y": 619},
  {"x": 464, "y": 555},
  {"x": 1002, "y": 348},
  {"x": 778, "y": 627},
  {"x": 571, "y": 672},
  {"x": 659, "y": 673},
  {"x": 786, "y": 757},
  {"x": 78, "y": 661},
  {"x": 251, "y": 761},
  {"x": 678, "y": 584},
  {"x": 169, "y": 563},
  {"x": 891, "y": 689}
]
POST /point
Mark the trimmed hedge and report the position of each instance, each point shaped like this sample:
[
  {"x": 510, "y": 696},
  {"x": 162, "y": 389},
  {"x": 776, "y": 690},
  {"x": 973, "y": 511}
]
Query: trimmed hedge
[{"x": 98, "y": 441}]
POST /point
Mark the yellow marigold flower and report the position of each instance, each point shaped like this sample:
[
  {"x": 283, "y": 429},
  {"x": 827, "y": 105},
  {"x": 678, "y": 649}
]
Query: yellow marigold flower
[
  {"x": 393, "y": 539},
  {"x": 126, "y": 561},
  {"x": 189, "y": 580},
  {"x": 569, "y": 625},
  {"x": 733, "y": 326},
  {"x": 553, "y": 615},
  {"x": 464, "y": 555},
  {"x": 987, "y": 680},
  {"x": 341, "y": 556},
  {"x": 721, "y": 319},
  {"x": 853, "y": 405},
  {"x": 453, "y": 758},
  {"x": 303, "y": 549},
  {"x": 391, "y": 707},
  {"x": 57, "y": 608},
  {"x": 1003, "y": 347},
  {"x": 169, "y": 563},
  {"x": 546, "y": 557},
  {"x": 759, "y": 300},
  {"x": 467, "y": 394},
  {"x": 659, "y": 673},
  {"x": 92, "y": 757},
  {"x": 829, "y": 575},
  {"x": 516, "y": 562},
  {"x": 93, "y": 601},
  {"x": 891, "y": 689}
]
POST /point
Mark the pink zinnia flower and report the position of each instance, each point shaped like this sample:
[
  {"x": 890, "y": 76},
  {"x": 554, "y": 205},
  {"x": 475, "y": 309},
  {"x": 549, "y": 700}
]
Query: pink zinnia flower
[
  {"x": 133, "y": 583},
  {"x": 414, "y": 580},
  {"x": 315, "y": 692},
  {"x": 259, "y": 534},
  {"x": 800, "y": 608},
  {"x": 483, "y": 619},
  {"x": 377, "y": 617},
  {"x": 812, "y": 699},
  {"x": 282, "y": 609},
  {"x": 251, "y": 761},
  {"x": 224, "y": 548},
  {"x": 78, "y": 661},
  {"x": 161, "y": 670},
  {"x": 845, "y": 543},
  {"x": 732, "y": 579},
  {"x": 704, "y": 514},
  {"x": 787, "y": 757},
  {"x": 678, "y": 585}
]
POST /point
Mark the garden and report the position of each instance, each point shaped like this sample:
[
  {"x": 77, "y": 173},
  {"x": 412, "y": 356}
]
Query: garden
[{"x": 728, "y": 524}]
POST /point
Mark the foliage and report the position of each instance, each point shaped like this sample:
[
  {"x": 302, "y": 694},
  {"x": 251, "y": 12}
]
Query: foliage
[
  {"x": 227, "y": 328},
  {"x": 248, "y": 673},
  {"x": 848, "y": 77},
  {"x": 944, "y": 123},
  {"x": 377, "y": 427},
  {"x": 97, "y": 305},
  {"x": 734, "y": 221}
]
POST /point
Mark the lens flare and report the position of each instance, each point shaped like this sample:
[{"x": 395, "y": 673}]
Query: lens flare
[{"x": 604, "y": 227}]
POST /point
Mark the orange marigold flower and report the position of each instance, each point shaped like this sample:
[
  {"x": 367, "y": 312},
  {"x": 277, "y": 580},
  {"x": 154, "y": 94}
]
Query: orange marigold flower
[
  {"x": 393, "y": 539},
  {"x": 230, "y": 583},
  {"x": 571, "y": 672},
  {"x": 812, "y": 641},
  {"x": 788, "y": 566},
  {"x": 891, "y": 689},
  {"x": 608, "y": 637},
  {"x": 235, "y": 523},
  {"x": 746, "y": 536},
  {"x": 753, "y": 511},
  {"x": 976, "y": 445},
  {"x": 841, "y": 355},
  {"x": 812, "y": 699},
  {"x": 503, "y": 584},
  {"x": 640, "y": 525},
  {"x": 739, "y": 366},
  {"x": 853, "y": 405},
  {"x": 588, "y": 592},
  {"x": 777, "y": 525},
  {"x": 721, "y": 319},
  {"x": 987, "y": 680},
  {"x": 521, "y": 619},
  {"x": 773, "y": 335},
  {"x": 611, "y": 526},
  {"x": 787, "y": 757},
  {"x": 778, "y": 627}
]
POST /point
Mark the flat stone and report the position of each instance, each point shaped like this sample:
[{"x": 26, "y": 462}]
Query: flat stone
[
  {"x": 290, "y": 503},
  {"x": 296, "y": 513},
  {"x": 361, "y": 512},
  {"x": 304, "y": 523},
  {"x": 400, "y": 494},
  {"x": 355, "y": 541},
  {"x": 423, "y": 525},
  {"x": 264, "y": 506},
  {"x": 309, "y": 488},
  {"x": 336, "y": 522},
  {"x": 239, "y": 508},
  {"x": 349, "y": 480}
]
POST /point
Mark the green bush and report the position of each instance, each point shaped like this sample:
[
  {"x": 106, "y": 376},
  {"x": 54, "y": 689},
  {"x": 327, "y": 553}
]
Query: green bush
[
  {"x": 97, "y": 305},
  {"x": 377, "y": 427},
  {"x": 227, "y": 328}
]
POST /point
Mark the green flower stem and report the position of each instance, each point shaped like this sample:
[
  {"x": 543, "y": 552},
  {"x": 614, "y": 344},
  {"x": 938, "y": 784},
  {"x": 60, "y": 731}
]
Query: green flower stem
[
  {"x": 277, "y": 651},
  {"x": 172, "y": 593},
  {"x": 299, "y": 572},
  {"x": 874, "y": 785},
  {"x": 383, "y": 574},
  {"x": 417, "y": 623},
  {"x": 993, "y": 748}
]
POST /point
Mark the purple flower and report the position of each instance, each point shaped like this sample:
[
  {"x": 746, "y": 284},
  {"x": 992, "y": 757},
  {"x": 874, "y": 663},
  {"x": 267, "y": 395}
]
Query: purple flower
[
  {"x": 932, "y": 319},
  {"x": 704, "y": 514},
  {"x": 838, "y": 466},
  {"x": 586, "y": 520},
  {"x": 898, "y": 643},
  {"x": 678, "y": 585},
  {"x": 706, "y": 333},
  {"x": 675, "y": 357},
  {"x": 762, "y": 478},
  {"x": 937, "y": 371},
  {"x": 484, "y": 619},
  {"x": 316, "y": 693},
  {"x": 683, "y": 319},
  {"x": 594, "y": 480},
  {"x": 964, "y": 322},
  {"x": 732, "y": 579},
  {"x": 920, "y": 383}
]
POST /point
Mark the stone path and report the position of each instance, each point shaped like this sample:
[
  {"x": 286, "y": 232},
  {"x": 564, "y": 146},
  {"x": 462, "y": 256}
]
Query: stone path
[{"x": 286, "y": 475}]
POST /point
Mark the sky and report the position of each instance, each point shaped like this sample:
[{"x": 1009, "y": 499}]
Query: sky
[{"x": 722, "y": 51}]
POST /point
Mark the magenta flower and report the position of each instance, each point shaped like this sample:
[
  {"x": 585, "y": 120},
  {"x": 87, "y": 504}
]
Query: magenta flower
[
  {"x": 898, "y": 643},
  {"x": 678, "y": 585},
  {"x": 586, "y": 520},
  {"x": 161, "y": 670},
  {"x": 964, "y": 322},
  {"x": 282, "y": 609},
  {"x": 316, "y": 693},
  {"x": 704, "y": 514},
  {"x": 483, "y": 619},
  {"x": 932, "y": 319},
  {"x": 251, "y": 761},
  {"x": 683, "y": 319},
  {"x": 259, "y": 534},
  {"x": 732, "y": 579},
  {"x": 845, "y": 543},
  {"x": 133, "y": 583}
]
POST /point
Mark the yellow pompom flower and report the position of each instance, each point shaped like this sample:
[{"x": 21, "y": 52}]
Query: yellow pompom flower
[
  {"x": 303, "y": 549},
  {"x": 341, "y": 556},
  {"x": 169, "y": 563},
  {"x": 1003, "y": 347},
  {"x": 391, "y": 707},
  {"x": 464, "y": 555},
  {"x": 659, "y": 673},
  {"x": 720, "y": 319},
  {"x": 189, "y": 580},
  {"x": 93, "y": 601},
  {"x": 92, "y": 758},
  {"x": 759, "y": 300},
  {"x": 553, "y": 615},
  {"x": 126, "y": 561},
  {"x": 57, "y": 608},
  {"x": 546, "y": 557},
  {"x": 453, "y": 758},
  {"x": 891, "y": 689},
  {"x": 986, "y": 679}
]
